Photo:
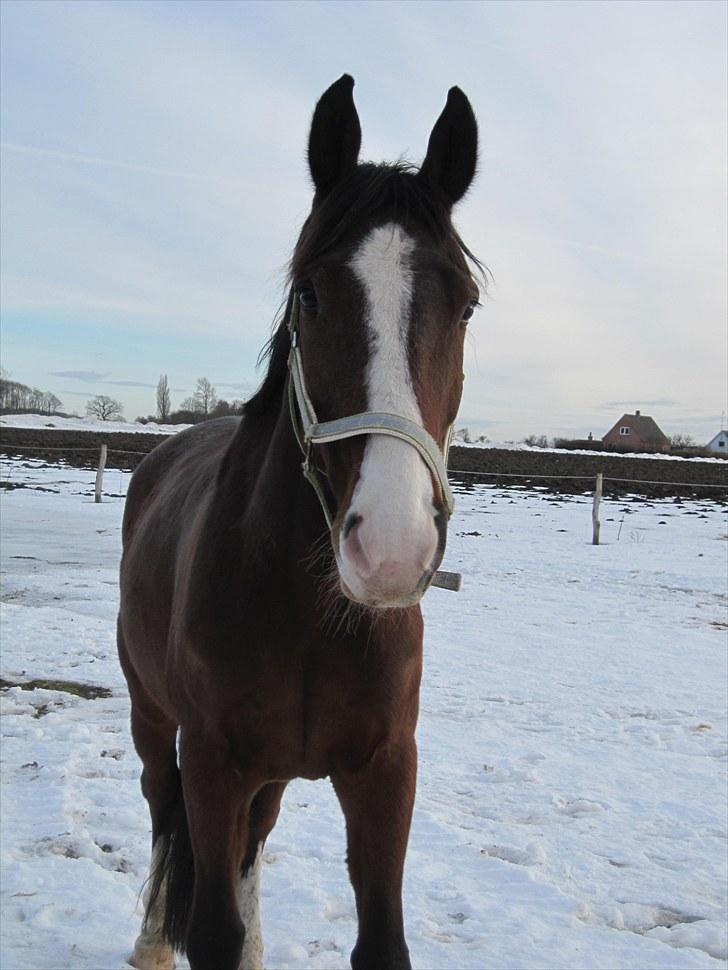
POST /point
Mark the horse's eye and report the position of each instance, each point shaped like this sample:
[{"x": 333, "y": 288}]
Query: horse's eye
[
  {"x": 307, "y": 297},
  {"x": 470, "y": 310}
]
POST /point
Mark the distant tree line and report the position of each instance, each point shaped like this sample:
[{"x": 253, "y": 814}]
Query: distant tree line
[
  {"x": 463, "y": 434},
  {"x": 17, "y": 398},
  {"x": 202, "y": 405}
]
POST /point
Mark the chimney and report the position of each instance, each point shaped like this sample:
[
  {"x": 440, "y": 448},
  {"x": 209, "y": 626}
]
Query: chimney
[{"x": 636, "y": 414}]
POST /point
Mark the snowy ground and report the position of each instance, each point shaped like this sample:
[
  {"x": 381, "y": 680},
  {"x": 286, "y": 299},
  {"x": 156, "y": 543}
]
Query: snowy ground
[
  {"x": 86, "y": 424},
  {"x": 129, "y": 427},
  {"x": 571, "y": 808}
]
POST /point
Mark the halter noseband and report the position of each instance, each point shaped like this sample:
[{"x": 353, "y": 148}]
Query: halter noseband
[{"x": 309, "y": 431}]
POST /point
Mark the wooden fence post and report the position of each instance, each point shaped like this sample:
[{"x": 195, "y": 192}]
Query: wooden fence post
[
  {"x": 100, "y": 473},
  {"x": 595, "y": 508}
]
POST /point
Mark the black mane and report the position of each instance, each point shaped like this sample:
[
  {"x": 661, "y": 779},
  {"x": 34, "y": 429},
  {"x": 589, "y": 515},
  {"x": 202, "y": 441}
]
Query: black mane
[{"x": 401, "y": 194}]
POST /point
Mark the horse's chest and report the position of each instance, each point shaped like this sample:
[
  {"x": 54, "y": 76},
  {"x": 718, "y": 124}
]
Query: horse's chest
[{"x": 306, "y": 721}]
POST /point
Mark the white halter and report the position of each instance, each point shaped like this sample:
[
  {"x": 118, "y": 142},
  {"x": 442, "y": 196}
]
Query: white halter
[{"x": 310, "y": 431}]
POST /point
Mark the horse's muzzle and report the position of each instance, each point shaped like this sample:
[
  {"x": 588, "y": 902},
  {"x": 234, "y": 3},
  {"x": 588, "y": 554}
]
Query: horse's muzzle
[{"x": 386, "y": 575}]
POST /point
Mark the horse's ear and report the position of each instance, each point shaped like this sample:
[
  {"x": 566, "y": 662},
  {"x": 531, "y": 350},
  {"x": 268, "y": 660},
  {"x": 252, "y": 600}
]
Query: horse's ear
[
  {"x": 335, "y": 139},
  {"x": 452, "y": 152}
]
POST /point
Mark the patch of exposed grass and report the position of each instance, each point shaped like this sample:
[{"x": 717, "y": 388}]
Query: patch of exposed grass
[{"x": 90, "y": 692}]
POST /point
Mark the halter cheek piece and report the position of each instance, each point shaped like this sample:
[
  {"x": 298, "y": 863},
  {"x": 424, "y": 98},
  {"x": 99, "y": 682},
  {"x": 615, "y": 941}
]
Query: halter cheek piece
[{"x": 309, "y": 431}]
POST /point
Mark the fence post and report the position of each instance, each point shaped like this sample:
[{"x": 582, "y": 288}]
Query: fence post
[
  {"x": 100, "y": 473},
  {"x": 595, "y": 508}
]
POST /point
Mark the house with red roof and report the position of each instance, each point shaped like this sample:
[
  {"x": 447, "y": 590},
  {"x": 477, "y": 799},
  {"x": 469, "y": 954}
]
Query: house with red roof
[{"x": 636, "y": 432}]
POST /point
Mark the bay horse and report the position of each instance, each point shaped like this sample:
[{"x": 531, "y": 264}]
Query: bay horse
[{"x": 268, "y": 629}]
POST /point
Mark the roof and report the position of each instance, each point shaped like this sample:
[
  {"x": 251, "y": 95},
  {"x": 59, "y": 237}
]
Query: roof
[{"x": 643, "y": 425}]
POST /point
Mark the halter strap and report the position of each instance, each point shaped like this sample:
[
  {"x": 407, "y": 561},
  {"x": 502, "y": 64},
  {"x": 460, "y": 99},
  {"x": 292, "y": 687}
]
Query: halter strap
[{"x": 310, "y": 431}]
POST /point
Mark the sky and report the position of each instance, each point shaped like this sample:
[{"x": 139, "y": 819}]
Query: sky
[{"x": 153, "y": 184}]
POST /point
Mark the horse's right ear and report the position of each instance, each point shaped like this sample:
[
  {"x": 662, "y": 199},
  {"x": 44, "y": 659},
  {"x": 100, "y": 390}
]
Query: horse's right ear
[{"x": 335, "y": 139}]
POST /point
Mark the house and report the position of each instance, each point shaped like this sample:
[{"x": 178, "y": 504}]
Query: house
[
  {"x": 636, "y": 432},
  {"x": 719, "y": 444}
]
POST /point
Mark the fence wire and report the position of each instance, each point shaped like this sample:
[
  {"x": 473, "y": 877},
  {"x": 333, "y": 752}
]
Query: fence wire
[{"x": 451, "y": 471}]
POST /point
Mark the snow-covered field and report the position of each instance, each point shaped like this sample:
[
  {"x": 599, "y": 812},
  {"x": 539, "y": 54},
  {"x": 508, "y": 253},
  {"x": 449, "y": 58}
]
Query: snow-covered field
[
  {"x": 36, "y": 421},
  {"x": 86, "y": 424},
  {"x": 571, "y": 808}
]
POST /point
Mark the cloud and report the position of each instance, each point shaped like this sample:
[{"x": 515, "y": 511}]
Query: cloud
[
  {"x": 89, "y": 376},
  {"x": 107, "y": 162},
  {"x": 132, "y": 384},
  {"x": 657, "y": 403},
  {"x": 96, "y": 377},
  {"x": 234, "y": 385}
]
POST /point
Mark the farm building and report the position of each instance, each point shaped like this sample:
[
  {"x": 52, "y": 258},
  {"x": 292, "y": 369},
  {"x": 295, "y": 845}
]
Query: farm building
[
  {"x": 636, "y": 432},
  {"x": 719, "y": 443}
]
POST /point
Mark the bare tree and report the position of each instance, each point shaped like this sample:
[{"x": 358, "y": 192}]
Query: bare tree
[
  {"x": 51, "y": 403},
  {"x": 164, "y": 402},
  {"x": 682, "y": 441},
  {"x": 104, "y": 407},
  {"x": 205, "y": 396}
]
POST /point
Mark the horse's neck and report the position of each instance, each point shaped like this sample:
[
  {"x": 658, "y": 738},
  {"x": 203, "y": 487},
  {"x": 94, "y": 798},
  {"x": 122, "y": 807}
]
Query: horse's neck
[{"x": 263, "y": 486}]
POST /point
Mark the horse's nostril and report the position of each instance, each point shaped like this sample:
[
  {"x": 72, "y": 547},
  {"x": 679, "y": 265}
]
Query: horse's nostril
[{"x": 351, "y": 521}]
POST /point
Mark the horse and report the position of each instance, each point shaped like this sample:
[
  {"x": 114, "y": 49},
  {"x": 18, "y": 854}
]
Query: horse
[{"x": 269, "y": 625}]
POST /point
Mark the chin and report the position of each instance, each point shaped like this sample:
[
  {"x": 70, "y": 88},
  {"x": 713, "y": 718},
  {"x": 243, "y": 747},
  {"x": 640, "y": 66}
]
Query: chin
[{"x": 380, "y": 601}]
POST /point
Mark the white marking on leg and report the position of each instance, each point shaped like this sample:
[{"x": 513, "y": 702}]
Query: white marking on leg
[
  {"x": 394, "y": 492},
  {"x": 151, "y": 951},
  {"x": 249, "y": 909}
]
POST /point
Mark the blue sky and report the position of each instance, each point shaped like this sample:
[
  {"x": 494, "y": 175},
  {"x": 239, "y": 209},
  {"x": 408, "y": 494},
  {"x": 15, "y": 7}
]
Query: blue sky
[{"x": 154, "y": 181}]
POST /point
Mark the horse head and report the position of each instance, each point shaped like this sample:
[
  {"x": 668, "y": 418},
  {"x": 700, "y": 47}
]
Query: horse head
[{"x": 382, "y": 293}]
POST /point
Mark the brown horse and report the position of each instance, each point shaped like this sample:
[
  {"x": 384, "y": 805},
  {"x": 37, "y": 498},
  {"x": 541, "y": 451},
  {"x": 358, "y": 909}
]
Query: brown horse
[{"x": 272, "y": 628}]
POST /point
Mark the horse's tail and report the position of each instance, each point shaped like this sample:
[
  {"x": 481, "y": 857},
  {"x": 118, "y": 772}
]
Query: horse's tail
[{"x": 173, "y": 880}]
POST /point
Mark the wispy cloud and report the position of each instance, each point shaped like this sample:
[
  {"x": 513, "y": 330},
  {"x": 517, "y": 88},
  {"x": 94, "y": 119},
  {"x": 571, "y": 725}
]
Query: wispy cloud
[
  {"x": 234, "y": 385},
  {"x": 90, "y": 376},
  {"x": 79, "y": 159},
  {"x": 131, "y": 384},
  {"x": 656, "y": 403}
]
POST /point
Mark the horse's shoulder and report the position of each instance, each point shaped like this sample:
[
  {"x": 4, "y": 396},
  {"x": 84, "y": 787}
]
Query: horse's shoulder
[{"x": 180, "y": 465}]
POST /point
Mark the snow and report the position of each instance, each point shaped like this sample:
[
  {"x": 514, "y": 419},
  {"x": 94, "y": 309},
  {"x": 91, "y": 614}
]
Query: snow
[
  {"x": 86, "y": 424},
  {"x": 94, "y": 424},
  {"x": 571, "y": 807},
  {"x": 589, "y": 452}
]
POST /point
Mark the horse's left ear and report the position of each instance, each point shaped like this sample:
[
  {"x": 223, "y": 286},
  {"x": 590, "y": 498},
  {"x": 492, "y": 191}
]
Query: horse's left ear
[
  {"x": 452, "y": 152},
  {"x": 335, "y": 139}
]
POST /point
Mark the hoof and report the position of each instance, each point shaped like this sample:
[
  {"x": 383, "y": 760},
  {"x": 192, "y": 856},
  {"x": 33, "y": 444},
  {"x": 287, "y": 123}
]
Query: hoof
[{"x": 152, "y": 956}]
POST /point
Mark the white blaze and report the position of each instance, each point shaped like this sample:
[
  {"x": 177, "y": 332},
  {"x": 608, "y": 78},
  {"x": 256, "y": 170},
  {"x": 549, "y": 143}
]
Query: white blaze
[
  {"x": 394, "y": 492},
  {"x": 382, "y": 266}
]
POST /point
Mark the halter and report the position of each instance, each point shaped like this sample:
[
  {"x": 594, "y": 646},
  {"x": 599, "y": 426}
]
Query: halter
[{"x": 309, "y": 431}]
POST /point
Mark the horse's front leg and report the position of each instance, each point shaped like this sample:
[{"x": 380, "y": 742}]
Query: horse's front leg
[
  {"x": 262, "y": 817},
  {"x": 377, "y": 801},
  {"x": 217, "y": 800}
]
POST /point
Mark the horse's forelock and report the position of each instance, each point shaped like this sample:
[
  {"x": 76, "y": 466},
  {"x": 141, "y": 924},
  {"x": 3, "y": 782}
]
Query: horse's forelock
[{"x": 370, "y": 193}]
